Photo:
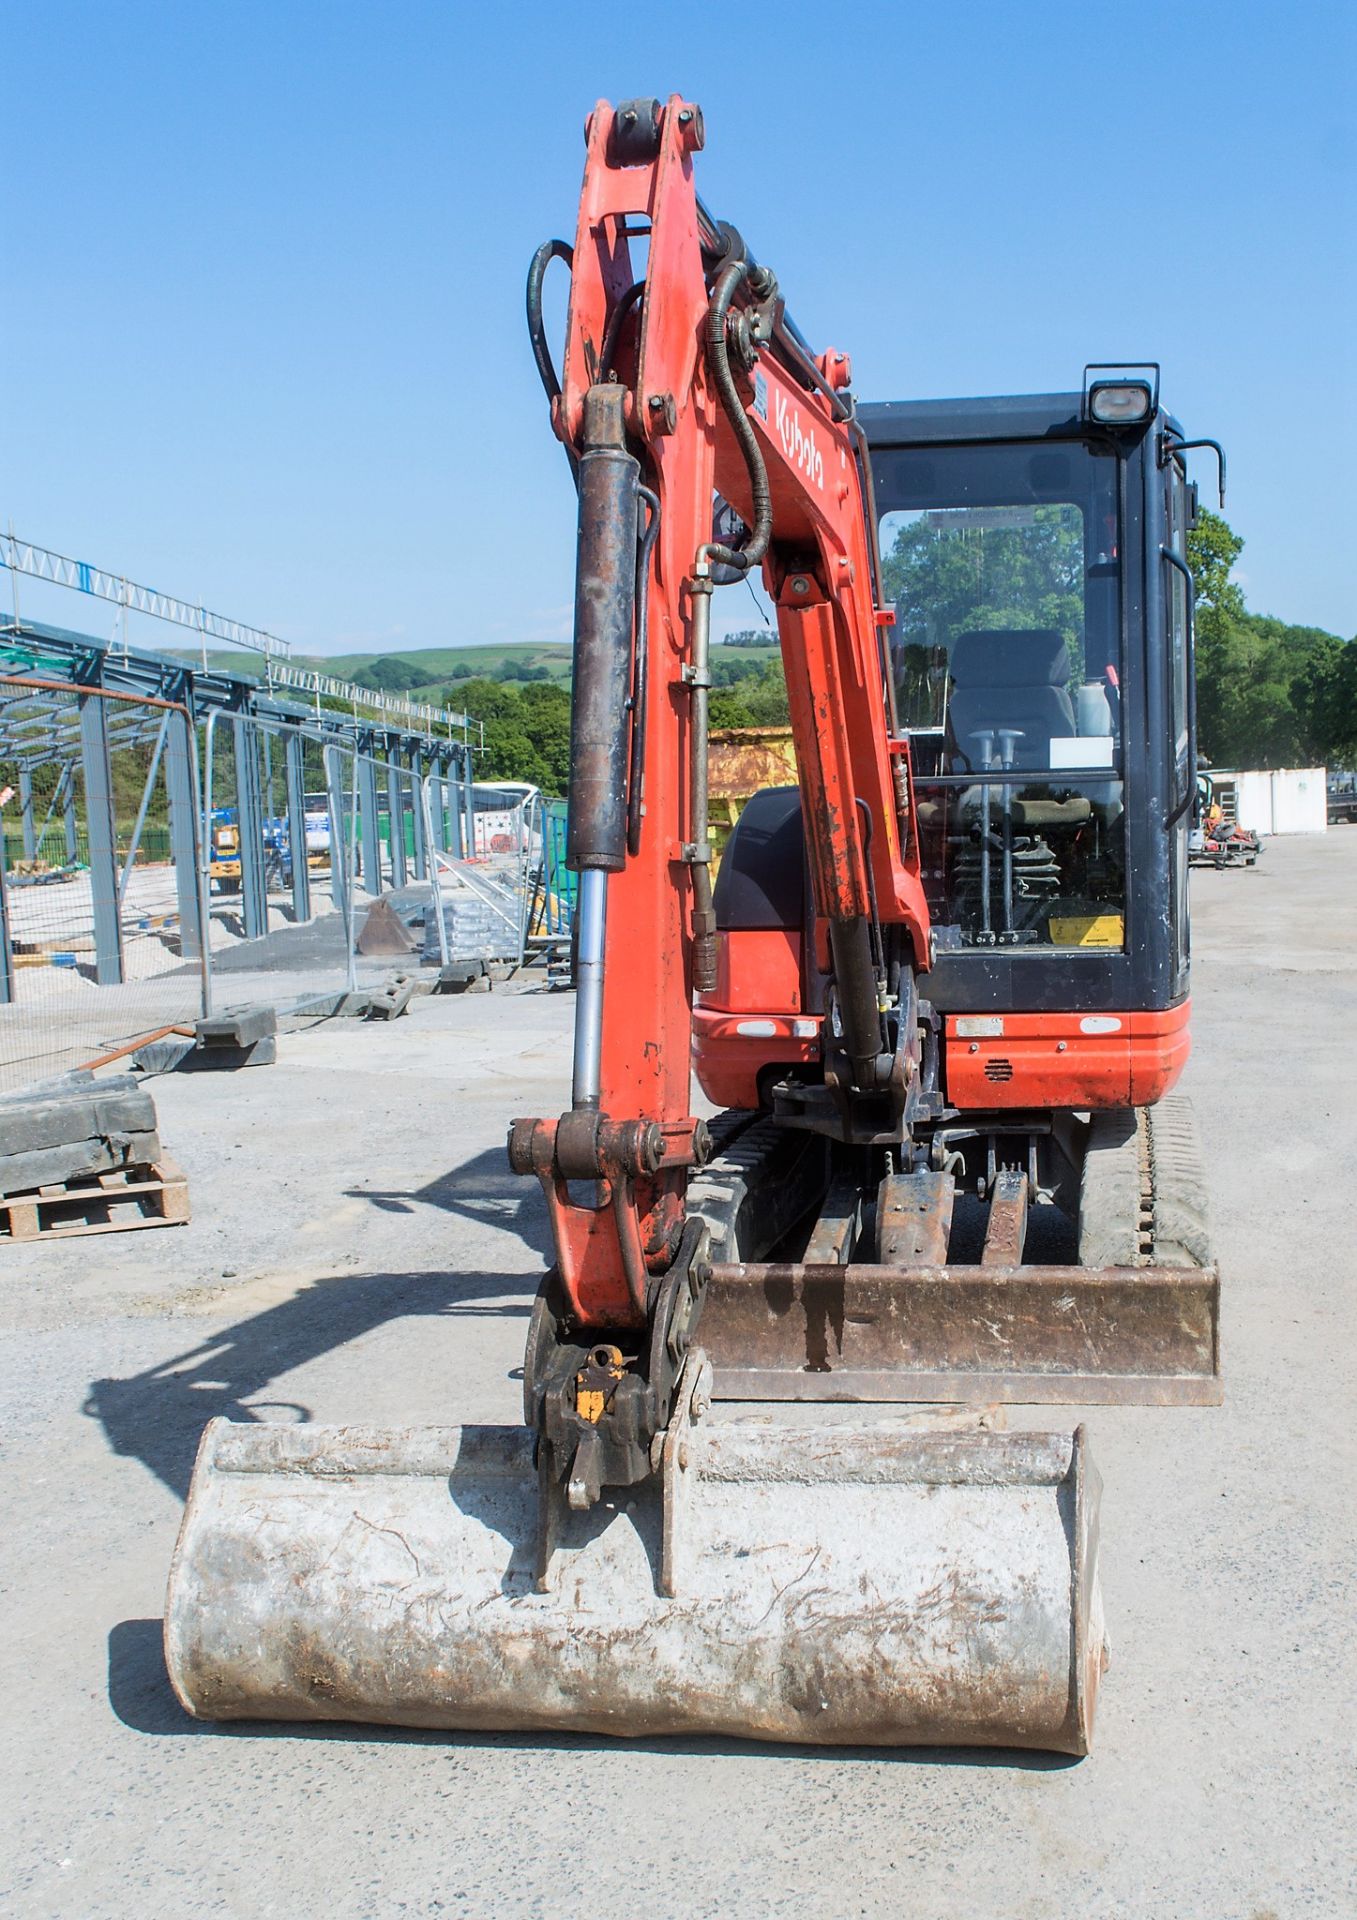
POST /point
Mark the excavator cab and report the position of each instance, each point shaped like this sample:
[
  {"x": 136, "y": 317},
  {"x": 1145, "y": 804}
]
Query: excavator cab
[
  {"x": 1035, "y": 562},
  {"x": 1032, "y": 555}
]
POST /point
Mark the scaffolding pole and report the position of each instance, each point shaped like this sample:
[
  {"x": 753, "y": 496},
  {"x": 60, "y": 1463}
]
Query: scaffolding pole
[
  {"x": 180, "y": 750},
  {"x": 367, "y": 814},
  {"x": 294, "y": 751},
  {"x": 108, "y": 940},
  {"x": 395, "y": 812}
]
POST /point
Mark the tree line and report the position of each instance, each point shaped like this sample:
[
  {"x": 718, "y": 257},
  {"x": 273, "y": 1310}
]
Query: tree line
[
  {"x": 1269, "y": 694},
  {"x": 527, "y": 724},
  {"x": 527, "y": 729}
]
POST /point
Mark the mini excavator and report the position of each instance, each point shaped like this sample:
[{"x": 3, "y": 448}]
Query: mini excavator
[{"x": 936, "y": 998}]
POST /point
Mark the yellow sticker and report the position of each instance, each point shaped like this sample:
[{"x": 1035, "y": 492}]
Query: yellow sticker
[{"x": 1089, "y": 930}]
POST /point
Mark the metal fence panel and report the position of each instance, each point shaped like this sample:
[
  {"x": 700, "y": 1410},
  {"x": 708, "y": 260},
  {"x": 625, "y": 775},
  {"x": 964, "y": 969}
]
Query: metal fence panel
[
  {"x": 102, "y": 921},
  {"x": 551, "y": 914},
  {"x": 482, "y": 894},
  {"x": 153, "y": 870}
]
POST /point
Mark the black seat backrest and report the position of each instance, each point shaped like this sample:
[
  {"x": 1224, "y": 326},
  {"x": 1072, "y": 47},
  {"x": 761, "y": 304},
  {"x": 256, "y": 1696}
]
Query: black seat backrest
[
  {"x": 1009, "y": 677},
  {"x": 762, "y": 878}
]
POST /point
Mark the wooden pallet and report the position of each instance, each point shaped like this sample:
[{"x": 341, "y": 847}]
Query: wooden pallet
[{"x": 100, "y": 1203}]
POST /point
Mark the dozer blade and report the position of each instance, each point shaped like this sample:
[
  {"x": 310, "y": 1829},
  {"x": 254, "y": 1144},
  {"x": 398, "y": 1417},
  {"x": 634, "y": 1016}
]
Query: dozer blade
[
  {"x": 1054, "y": 1335},
  {"x": 852, "y": 1585}
]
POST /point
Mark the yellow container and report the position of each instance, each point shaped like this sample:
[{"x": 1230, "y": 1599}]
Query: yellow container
[
  {"x": 1089, "y": 930},
  {"x": 741, "y": 760}
]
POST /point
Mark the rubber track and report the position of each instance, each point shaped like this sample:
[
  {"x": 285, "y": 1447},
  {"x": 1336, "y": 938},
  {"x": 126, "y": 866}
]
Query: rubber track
[
  {"x": 1143, "y": 1192},
  {"x": 762, "y": 1179},
  {"x": 1182, "y": 1221}
]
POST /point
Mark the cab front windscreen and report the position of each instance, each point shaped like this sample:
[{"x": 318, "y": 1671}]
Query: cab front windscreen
[{"x": 1002, "y": 564}]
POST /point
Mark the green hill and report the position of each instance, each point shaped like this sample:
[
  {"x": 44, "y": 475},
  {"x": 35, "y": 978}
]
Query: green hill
[
  {"x": 438, "y": 669},
  {"x": 438, "y": 664},
  {"x": 444, "y": 663}
]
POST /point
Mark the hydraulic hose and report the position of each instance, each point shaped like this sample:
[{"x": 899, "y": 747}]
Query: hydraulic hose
[
  {"x": 699, "y": 681},
  {"x": 614, "y": 328},
  {"x": 730, "y": 278},
  {"x": 878, "y": 946},
  {"x": 722, "y": 243},
  {"x": 537, "y": 270},
  {"x": 718, "y": 358},
  {"x": 537, "y": 334}
]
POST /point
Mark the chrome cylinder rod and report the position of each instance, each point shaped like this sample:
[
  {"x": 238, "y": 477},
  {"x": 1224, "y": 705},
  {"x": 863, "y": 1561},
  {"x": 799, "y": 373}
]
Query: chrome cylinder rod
[
  {"x": 591, "y": 917},
  {"x": 699, "y": 680}
]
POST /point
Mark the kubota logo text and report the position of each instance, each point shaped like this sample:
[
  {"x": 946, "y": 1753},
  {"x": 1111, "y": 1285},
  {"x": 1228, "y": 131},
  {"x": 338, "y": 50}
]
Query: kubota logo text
[{"x": 799, "y": 447}]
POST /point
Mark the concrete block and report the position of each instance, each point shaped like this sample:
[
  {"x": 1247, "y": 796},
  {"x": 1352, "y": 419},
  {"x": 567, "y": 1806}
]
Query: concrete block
[
  {"x": 162, "y": 1056},
  {"x": 386, "y": 1003},
  {"x": 237, "y": 1027},
  {"x": 85, "y": 1111},
  {"x": 75, "y": 1160},
  {"x": 458, "y": 976},
  {"x": 223, "y": 1059}
]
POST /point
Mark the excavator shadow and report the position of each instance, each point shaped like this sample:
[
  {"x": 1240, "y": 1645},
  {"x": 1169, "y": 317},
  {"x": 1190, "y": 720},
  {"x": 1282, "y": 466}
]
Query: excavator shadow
[
  {"x": 158, "y": 1416},
  {"x": 483, "y": 1191},
  {"x": 140, "y": 1695}
]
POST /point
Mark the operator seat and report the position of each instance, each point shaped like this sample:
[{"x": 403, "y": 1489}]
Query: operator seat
[
  {"x": 1018, "y": 678},
  {"x": 1011, "y": 677}
]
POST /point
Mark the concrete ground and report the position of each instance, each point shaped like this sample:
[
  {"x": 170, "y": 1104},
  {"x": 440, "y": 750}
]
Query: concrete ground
[{"x": 358, "y": 1251}]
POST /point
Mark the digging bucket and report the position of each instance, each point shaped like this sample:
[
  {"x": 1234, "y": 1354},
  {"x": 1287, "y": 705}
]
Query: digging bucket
[{"x": 852, "y": 1585}]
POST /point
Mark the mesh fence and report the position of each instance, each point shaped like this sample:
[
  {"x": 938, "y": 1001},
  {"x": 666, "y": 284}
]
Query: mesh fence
[
  {"x": 152, "y": 873},
  {"x": 101, "y": 891},
  {"x": 551, "y": 905},
  {"x": 483, "y": 892},
  {"x": 276, "y": 899},
  {"x": 406, "y": 871}
]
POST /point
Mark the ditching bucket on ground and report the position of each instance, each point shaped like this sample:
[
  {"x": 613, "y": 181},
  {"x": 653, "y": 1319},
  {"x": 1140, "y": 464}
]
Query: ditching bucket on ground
[{"x": 871, "y": 1585}]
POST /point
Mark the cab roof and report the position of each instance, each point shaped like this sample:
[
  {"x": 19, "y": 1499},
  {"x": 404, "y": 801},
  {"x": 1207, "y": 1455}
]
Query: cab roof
[{"x": 1017, "y": 416}]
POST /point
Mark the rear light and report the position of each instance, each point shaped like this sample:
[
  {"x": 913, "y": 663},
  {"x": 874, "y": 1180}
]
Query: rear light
[{"x": 712, "y": 1025}]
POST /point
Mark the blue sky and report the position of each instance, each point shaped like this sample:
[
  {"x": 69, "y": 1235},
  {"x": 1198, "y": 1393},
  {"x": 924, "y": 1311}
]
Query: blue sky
[{"x": 262, "y": 330}]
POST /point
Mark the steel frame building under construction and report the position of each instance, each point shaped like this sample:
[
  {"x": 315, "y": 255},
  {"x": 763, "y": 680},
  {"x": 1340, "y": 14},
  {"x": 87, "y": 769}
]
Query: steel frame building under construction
[{"x": 70, "y": 700}]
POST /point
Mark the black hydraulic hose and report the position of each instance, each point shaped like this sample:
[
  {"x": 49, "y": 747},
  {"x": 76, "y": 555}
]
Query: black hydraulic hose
[
  {"x": 614, "y": 328},
  {"x": 794, "y": 352},
  {"x": 640, "y": 680},
  {"x": 718, "y": 356},
  {"x": 537, "y": 270},
  {"x": 537, "y": 334}
]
